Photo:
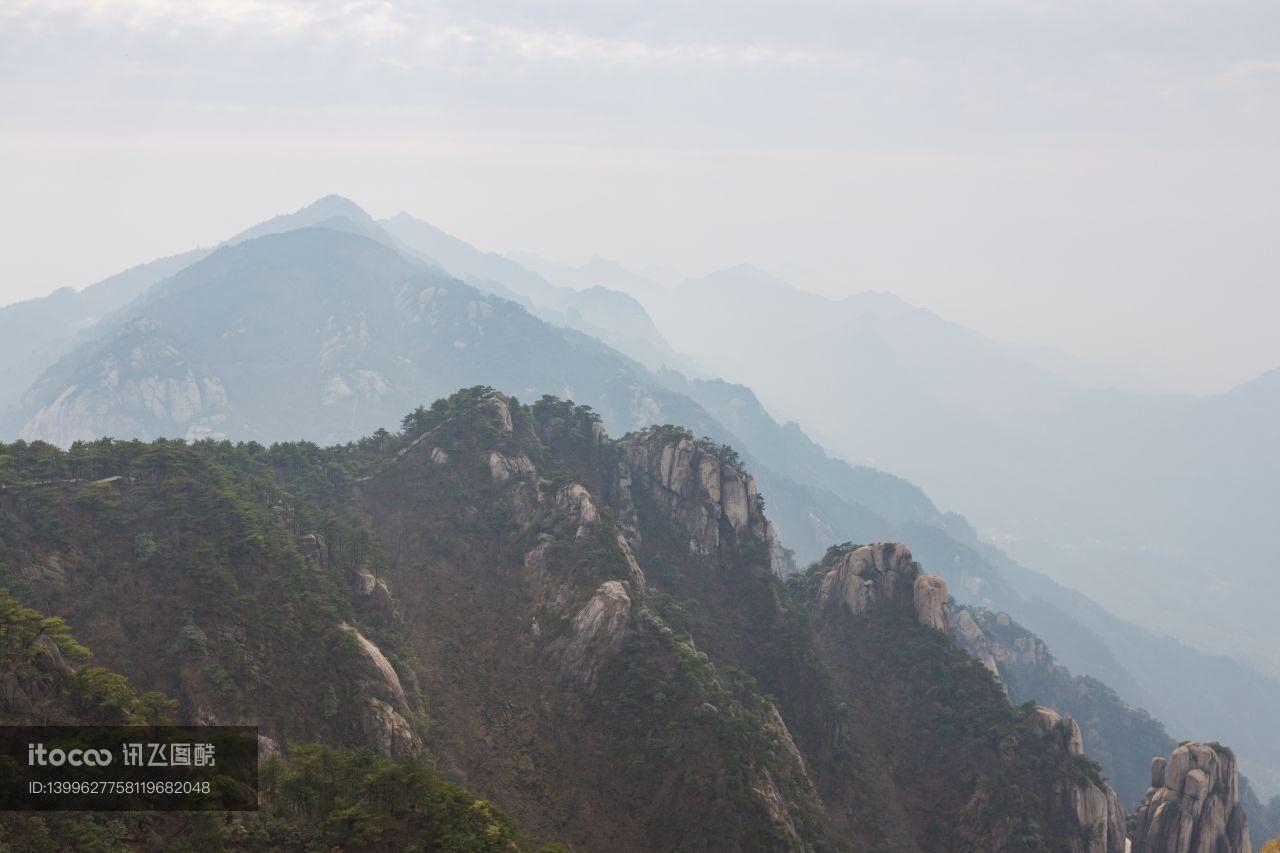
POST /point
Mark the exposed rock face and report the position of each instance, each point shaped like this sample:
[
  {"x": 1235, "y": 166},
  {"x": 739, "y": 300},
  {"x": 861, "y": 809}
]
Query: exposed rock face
[
  {"x": 597, "y": 632},
  {"x": 386, "y": 729},
  {"x": 384, "y": 717},
  {"x": 575, "y": 501},
  {"x": 503, "y": 408},
  {"x": 21, "y": 692},
  {"x": 636, "y": 573},
  {"x": 1047, "y": 721},
  {"x": 48, "y": 656},
  {"x": 503, "y": 468},
  {"x": 1194, "y": 804},
  {"x": 380, "y": 664},
  {"x": 866, "y": 577},
  {"x": 707, "y": 495},
  {"x": 147, "y": 381},
  {"x": 930, "y": 598},
  {"x": 981, "y": 632},
  {"x": 313, "y": 545},
  {"x": 1094, "y": 807}
]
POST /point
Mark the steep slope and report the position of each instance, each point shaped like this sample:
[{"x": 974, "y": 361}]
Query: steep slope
[
  {"x": 1120, "y": 738},
  {"x": 1160, "y": 485},
  {"x": 817, "y": 500},
  {"x": 316, "y": 795},
  {"x": 956, "y": 745},
  {"x": 823, "y": 500},
  {"x": 594, "y": 628},
  {"x": 182, "y": 567},
  {"x": 610, "y": 315}
]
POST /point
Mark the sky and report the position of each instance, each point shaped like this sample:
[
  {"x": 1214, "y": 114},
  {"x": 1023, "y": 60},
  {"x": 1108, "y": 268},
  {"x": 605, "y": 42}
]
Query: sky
[{"x": 1096, "y": 177}]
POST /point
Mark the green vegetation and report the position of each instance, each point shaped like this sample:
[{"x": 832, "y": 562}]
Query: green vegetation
[
  {"x": 725, "y": 713},
  {"x": 358, "y": 800},
  {"x": 318, "y": 798}
]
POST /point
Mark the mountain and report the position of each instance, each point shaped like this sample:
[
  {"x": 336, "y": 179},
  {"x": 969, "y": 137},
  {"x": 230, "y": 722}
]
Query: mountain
[
  {"x": 1071, "y": 479},
  {"x": 587, "y": 632},
  {"x": 319, "y": 327},
  {"x": 608, "y": 314},
  {"x": 319, "y": 795},
  {"x": 823, "y": 500},
  {"x": 596, "y": 272},
  {"x": 327, "y": 334},
  {"x": 34, "y": 334},
  {"x": 1122, "y": 738}
]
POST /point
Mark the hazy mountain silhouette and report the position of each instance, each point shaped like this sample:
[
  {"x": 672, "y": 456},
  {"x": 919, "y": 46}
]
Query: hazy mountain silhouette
[
  {"x": 1074, "y": 480},
  {"x": 611, "y": 315}
]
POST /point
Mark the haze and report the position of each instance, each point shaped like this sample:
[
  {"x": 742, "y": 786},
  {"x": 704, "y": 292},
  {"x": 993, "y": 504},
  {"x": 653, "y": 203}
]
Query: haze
[{"x": 1096, "y": 177}]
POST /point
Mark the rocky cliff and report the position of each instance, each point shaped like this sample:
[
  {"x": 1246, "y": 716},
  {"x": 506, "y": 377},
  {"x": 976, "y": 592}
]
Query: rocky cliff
[
  {"x": 704, "y": 489},
  {"x": 866, "y": 597},
  {"x": 1193, "y": 805},
  {"x": 1119, "y": 736},
  {"x": 880, "y": 575}
]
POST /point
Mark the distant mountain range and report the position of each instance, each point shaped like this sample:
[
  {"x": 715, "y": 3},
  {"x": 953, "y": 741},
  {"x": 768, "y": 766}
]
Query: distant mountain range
[
  {"x": 1160, "y": 507},
  {"x": 327, "y": 325}
]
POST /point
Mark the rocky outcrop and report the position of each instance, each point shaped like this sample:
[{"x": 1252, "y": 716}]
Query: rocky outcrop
[
  {"x": 703, "y": 491},
  {"x": 1194, "y": 804},
  {"x": 368, "y": 584},
  {"x": 378, "y": 661},
  {"x": 146, "y": 385},
  {"x": 596, "y": 632},
  {"x": 575, "y": 502},
  {"x": 22, "y": 690},
  {"x": 930, "y": 599},
  {"x": 384, "y": 714},
  {"x": 503, "y": 468},
  {"x": 386, "y": 729},
  {"x": 1001, "y": 644},
  {"x": 503, "y": 410},
  {"x": 868, "y": 577},
  {"x": 1047, "y": 722},
  {"x": 1091, "y": 805},
  {"x": 636, "y": 574}
]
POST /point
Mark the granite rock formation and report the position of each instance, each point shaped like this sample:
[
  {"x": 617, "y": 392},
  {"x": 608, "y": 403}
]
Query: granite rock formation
[{"x": 1194, "y": 804}]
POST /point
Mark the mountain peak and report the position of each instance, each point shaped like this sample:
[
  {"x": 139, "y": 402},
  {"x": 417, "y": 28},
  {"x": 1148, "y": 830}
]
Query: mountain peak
[
  {"x": 324, "y": 209},
  {"x": 335, "y": 205},
  {"x": 739, "y": 277}
]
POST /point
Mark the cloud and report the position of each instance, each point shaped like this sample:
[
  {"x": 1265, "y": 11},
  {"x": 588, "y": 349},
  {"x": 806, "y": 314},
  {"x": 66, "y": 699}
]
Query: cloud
[{"x": 407, "y": 36}]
